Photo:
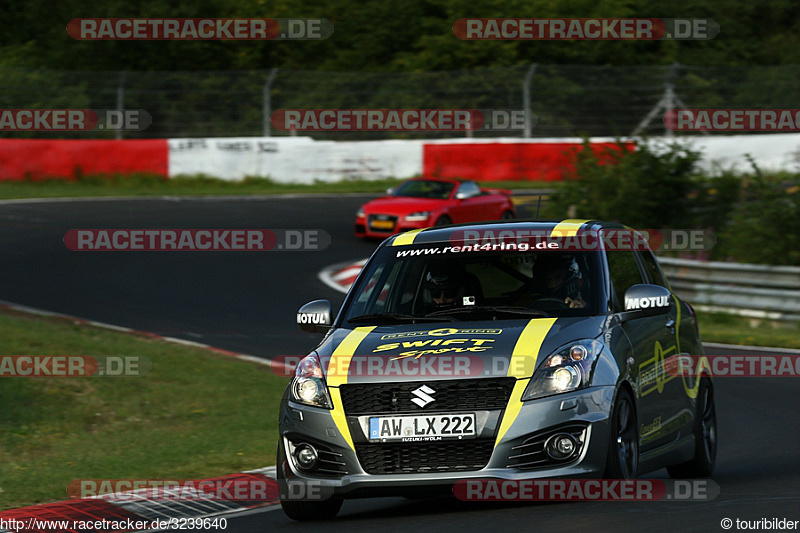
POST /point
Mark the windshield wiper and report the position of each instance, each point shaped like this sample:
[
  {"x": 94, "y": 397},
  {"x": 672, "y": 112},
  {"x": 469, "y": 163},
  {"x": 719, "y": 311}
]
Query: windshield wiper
[
  {"x": 499, "y": 309},
  {"x": 393, "y": 318}
]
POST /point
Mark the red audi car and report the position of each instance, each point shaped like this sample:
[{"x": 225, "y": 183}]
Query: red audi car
[{"x": 424, "y": 202}]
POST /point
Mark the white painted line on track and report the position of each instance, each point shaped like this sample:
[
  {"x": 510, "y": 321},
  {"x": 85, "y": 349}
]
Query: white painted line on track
[
  {"x": 275, "y": 365},
  {"x": 747, "y": 347}
]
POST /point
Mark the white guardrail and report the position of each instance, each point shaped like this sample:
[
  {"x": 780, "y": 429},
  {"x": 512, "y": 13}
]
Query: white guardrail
[{"x": 760, "y": 291}]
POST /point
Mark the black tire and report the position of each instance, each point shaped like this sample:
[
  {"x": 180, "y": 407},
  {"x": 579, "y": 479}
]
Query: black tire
[
  {"x": 507, "y": 215},
  {"x": 443, "y": 220},
  {"x": 305, "y": 511},
  {"x": 622, "y": 461},
  {"x": 705, "y": 437}
]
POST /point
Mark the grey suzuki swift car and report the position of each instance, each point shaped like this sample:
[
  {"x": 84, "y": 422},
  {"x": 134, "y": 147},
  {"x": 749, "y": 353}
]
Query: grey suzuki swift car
[{"x": 506, "y": 350}]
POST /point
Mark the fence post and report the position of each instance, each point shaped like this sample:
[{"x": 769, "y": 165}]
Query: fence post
[
  {"x": 268, "y": 102},
  {"x": 667, "y": 103},
  {"x": 669, "y": 94},
  {"x": 120, "y": 100},
  {"x": 526, "y": 98}
]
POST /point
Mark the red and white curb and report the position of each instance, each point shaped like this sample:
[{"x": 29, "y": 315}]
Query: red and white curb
[
  {"x": 340, "y": 277},
  {"x": 129, "y": 507}
]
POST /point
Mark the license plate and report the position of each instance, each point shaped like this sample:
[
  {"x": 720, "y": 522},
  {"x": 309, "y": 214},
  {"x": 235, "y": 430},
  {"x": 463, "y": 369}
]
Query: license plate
[
  {"x": 382, "y": 224},
  {"x": 422, "y": 428}
]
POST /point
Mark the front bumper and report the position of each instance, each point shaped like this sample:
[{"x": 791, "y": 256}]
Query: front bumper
[
  {"x": 588, "y": 408},
  {"x": 363, "y": 229}
]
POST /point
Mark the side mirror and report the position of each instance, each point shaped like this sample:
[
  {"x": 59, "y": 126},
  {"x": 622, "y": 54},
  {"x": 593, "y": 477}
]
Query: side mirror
[
  {"x": 647, "y": 300},
  {"x": 315, "y": 317}
]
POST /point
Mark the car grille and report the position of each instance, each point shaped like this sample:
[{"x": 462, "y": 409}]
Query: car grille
[
  {"x": 382, "y": 219},
  {"x": 456, "y": 395},
  {"x": 531, "y": 453},
  {"x": 330, "y": 463},
  {"x": 400, "y": 458}
]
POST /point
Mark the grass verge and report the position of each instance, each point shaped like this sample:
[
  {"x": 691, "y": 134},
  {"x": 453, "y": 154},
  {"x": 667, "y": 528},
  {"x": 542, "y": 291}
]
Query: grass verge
[
  {"x": 732, "y": 329},
  {"x": 196, "y": 414},
  {"x": 152, "y": 185}
]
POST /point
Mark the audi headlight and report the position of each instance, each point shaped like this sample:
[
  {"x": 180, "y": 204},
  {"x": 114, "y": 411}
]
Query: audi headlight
[
  {"x": 360, "y": 213},
  {"x": 418, "y": 216},
  {"x": 308, "y": 384},
  {"x": 568, "y": 368}
]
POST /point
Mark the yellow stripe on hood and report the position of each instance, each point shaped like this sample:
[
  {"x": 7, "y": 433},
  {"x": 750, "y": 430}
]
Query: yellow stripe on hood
[
  {"x": 521, "y": 366},
  {"x": 338, "y": 368}
]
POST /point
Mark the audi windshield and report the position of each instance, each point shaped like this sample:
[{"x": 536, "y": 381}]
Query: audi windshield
[{"x": 439, "y": 190}]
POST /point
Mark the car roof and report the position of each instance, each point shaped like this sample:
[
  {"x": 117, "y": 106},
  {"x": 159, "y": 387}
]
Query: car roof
[{"x": 564, "y": 227}]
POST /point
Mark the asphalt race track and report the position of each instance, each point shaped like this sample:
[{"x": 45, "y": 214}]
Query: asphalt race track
[
  {"x": 240, "y": 301},
  {"x": 246, "y": 301}
]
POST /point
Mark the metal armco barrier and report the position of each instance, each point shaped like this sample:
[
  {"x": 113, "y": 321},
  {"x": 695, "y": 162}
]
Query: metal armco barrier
[{"x": 744, "y": 289}]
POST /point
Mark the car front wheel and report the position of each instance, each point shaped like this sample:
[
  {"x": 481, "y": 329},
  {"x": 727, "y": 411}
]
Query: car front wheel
[
  {"x": 622, "y": 460},
  {"x": 705, "y": 438}
]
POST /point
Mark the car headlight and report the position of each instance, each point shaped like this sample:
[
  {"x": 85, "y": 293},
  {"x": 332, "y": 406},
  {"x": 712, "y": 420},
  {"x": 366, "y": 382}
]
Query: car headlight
[
  {"x": 418, "y": 216},
  {"x": 308, "y": 385},
  {"x": 360, "y": 213},
  {"x": 568, "y": 368}
]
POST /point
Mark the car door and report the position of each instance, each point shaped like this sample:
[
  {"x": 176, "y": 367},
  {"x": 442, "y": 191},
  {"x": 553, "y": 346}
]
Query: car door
[
  {"x": 467, "y": 204},
  {"x": 494, "y": 205},
  {"x": 652, "y": 343},
  {"x": 673, "y": 391}
]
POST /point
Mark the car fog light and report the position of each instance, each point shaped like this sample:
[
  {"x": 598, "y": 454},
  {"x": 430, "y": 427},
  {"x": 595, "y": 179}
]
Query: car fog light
[
  {"x": 306, "y": 456},
  {"x": 561, "y": 446}
]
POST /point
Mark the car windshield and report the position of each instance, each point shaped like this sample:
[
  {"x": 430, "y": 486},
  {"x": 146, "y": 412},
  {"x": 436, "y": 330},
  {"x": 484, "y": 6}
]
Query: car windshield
[
  {"x": 433, "y": 283},
  {"x": 439, "y": 190}
]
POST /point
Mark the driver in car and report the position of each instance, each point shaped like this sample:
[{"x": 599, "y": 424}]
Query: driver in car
[
  {"x": 556, "y": 277},
  {"x": 445, "y": 288}
]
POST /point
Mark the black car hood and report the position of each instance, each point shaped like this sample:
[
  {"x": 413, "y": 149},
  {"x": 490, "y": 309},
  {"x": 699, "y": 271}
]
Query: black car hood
[{"x": 451, "y": 350}]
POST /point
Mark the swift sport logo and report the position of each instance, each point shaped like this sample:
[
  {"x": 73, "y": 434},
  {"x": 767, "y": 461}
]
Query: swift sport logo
[{"x": 423, "y": 396}]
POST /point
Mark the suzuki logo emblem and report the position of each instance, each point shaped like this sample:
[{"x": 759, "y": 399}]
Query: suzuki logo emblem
[{"x": 423, "y": 397}]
